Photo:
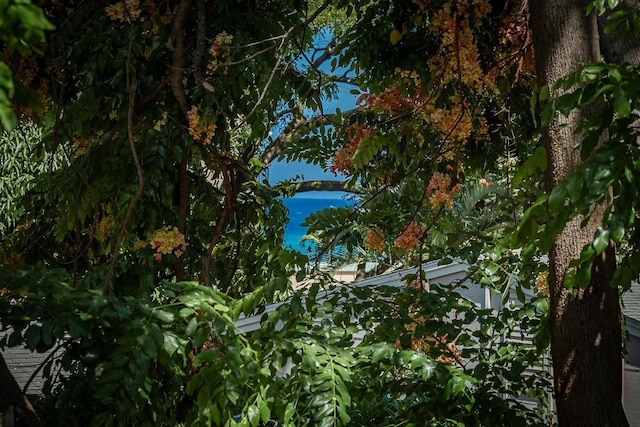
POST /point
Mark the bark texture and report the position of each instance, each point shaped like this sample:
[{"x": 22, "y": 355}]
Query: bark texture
[
  {"x": 15, "y": 409},
  {"x": 586, "y": 337}
]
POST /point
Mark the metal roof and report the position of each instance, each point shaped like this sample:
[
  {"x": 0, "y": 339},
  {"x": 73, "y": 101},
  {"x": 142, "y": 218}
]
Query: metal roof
[
  {"x": 631, "y": 302},
  {"x": 23, "y": 364},
  {"x": 434, "y": 272}
]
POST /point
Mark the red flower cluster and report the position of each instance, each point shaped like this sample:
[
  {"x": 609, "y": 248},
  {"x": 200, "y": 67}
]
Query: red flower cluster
[
  {"x": 374, "y": 239},
  {"x": 390, "y": 101},
  {"x": 342, "y": 159},
  {"x": 440, "y": 190},
  {"x": 410, "y": 237}
]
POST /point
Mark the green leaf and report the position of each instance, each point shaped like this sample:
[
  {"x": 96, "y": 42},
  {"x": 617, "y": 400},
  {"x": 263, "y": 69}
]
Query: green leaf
[
  {"x": 253, "y": 414},
  {"x": 223, "y": 308},
  {"x": 583, "y": 275},
  {"x": 288, "y": 412},
  {"x": 300, "y": 275},
  {"x": 527, "y": 230},
  {"x": 590, "y": 72},
  {"x": 164, "y": 316},
  {"x": 535, "y": 164},
  {"x": 573, "y": 186},
  {"x": 7, "y": 118},
  {"x": 191, "y": 326},
  {"x": 614, "y": 74},
  {"x": 547, "y": 114},
  {"x": 621, "y": 104},
  {"x": 199, "y": 337},
  {"x": 382, "y": 351},
  {"x": 32, "y": 337},
  {"x": 544, "y": 93},
  {"x": 367, "y": 150},
  {"x": 171, "y": 344},
  {"x": 617, "y": 233},
  {"x": 156, "y": 334},
  {"x": 265, "y": 412},
  {"x": 586, "y": 256},
  {"x": 149, "y": 346},
  {"x": 601, "y": 240},
  {"x": 623, "y": 277},
  {"x": 203, "y": 399},
  {"x": 557, "y": 199}
]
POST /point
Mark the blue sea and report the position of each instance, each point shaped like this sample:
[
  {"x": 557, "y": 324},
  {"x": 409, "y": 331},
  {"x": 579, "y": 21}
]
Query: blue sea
[{"x": 299, "y": 209}]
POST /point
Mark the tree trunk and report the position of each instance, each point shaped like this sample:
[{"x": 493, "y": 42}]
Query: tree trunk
[
  {"x": 15, "y": 409},
  {"x": 586, "y": 337}
]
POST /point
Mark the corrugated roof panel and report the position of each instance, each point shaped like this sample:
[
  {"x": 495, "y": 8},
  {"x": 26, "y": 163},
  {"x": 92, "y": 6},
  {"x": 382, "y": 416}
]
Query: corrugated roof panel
[{"x": 631, "y": 302}]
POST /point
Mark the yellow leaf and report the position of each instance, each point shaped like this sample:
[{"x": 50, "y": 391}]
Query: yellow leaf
[{"x": 395, "y": 36}]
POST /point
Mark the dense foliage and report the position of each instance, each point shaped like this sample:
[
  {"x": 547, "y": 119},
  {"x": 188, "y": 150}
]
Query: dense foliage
[
  {"x": 156, "y": 232},
  {"x": 22, "y": 29},
  {"x": 178, "y": 357}
]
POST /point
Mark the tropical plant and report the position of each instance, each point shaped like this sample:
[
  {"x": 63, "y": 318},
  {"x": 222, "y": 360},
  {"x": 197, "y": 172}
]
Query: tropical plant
[
  {"x": 139, "y": 256},
  {"x": 22, "y": 159}
]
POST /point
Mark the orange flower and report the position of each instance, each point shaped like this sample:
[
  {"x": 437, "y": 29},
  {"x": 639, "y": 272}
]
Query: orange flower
[
  {"x": 124, "y": 11},
  {"x": 410, "y": 237},
  {"x": 440, "y": 190},
  {"x": 390, "y": 101},
  {"x": 375, "y": 239},
  {"x": 341, "y": 161},
  {"x": 198, "y": 130}
]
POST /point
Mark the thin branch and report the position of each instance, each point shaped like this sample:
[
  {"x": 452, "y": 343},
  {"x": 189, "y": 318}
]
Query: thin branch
[
  {"x": 253, "y": 55},
  {"x": 328, "y": 51},
  {"x": 264, "y": 90},
  {"x": 317, "y": 185},
  {"x": 267, "y": 40},
  {"x": 179, "y": 56},
  {"x": 354, "y": 81},
  {"x": 238, "y": 246},
  {"x": 326, "y": 54},
  {"x": 153, "y": 94},
  {"x": 131, "y": 85},
  {"x": 227, "y": 209},
  {"x": 292, "y": 32},
  {"x": 201, "y": 38}
]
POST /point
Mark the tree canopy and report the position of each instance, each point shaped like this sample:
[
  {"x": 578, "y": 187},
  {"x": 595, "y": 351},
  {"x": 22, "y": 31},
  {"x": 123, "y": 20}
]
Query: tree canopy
[{"x": 153, "y": 228}]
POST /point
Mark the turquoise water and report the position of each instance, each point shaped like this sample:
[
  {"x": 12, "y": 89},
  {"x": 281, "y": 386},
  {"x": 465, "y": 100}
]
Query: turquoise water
[{"x": 299, "y": 209}]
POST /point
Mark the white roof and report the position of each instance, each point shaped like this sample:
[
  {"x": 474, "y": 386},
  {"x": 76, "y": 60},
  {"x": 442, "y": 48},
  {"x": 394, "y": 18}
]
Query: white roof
[{"x": 434, "y": 272}]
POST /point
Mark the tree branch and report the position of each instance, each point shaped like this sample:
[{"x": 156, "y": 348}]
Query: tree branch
[
  {"x": 327, "y": 52},
  {"x": 292, "y": 32},
  {"x": 342, "y": 79},
  {"x": 179, "y": 56},
  {"x": 201, "y": 38},
  {"x": 297, "y": 128},
  {"x": 131, "y": 85},
  {"x": 227, "y": 175},
  {"x": 253, "y": 55},
  {"x": 317, "y": 185}
]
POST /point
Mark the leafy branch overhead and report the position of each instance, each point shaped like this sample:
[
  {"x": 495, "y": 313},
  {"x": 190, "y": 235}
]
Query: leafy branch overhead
[
  {"x": 607, "y": 174},
  {"x": 22, "y": 29},
  {"x": 142, "y": 233}
]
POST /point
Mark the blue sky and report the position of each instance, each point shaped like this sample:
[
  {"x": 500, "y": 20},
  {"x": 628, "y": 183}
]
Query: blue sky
[
  {"x": 344, "y": 101},
  {"x": 279, "y": 171}
]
